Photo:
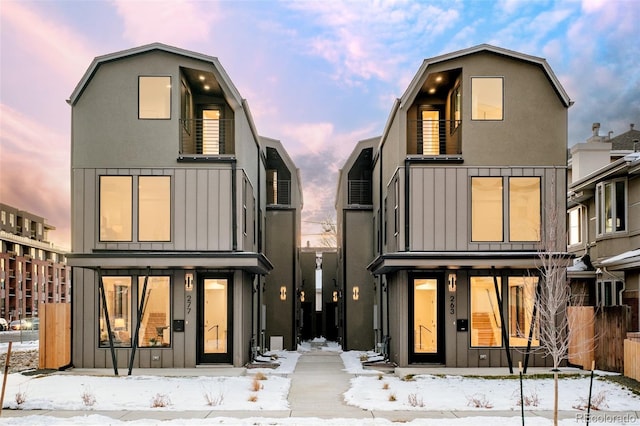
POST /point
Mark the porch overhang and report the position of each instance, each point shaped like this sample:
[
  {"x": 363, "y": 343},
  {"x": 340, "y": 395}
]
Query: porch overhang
[
  {"x": 399, "y": 261},
  {"x": 256, "y": 263}
]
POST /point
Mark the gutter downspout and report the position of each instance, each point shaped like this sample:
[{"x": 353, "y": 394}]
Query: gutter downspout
[{"x": 234, "y": 208}]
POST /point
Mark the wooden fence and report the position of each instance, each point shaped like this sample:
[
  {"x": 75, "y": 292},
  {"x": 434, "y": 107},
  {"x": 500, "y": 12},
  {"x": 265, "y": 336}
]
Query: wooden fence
[
  {"x": 632, "y": 356},
  {"x": 55, "y": 335},
  {"x": 598, "y": 335},
  {"x": 581, "y": 336}
]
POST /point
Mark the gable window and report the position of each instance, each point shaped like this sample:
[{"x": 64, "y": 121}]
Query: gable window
[
  {"x": 154, "y": 208},
  {"x": 115, "y": 208},
  {"x": 154, "y": 97},
  {"x": 524, "y": 209},
  {"x": 486, "y": 98},
  {"x": 486, "y": 209},
  {"x": 611, "y": 202},
  {"x": 575, "y": 225}
]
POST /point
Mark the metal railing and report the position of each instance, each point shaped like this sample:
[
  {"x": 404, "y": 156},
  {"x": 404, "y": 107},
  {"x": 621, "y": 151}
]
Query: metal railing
[
  {"x": 280, "y": 194},
  {"x": 435, "y": 137},
  {"x": 206, "y": 136},
  {"x": 359, "y": 192}
]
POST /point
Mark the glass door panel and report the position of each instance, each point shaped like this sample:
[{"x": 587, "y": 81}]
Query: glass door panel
[
  {"x": 430, "y": 132},
  {"x": 425, "y": 321},
  {"x": 214, "y": 344}
]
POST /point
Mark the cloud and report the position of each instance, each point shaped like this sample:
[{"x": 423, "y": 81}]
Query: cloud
[
  {"x": 32, "y": 34},
  {"x": 34, "y": 171},
  {"x": 371, "y": 40},
  {"x": 173, "y": 22}
]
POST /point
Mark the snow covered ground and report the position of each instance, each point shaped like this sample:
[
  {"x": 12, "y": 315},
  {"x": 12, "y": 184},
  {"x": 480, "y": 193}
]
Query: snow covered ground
[{"x": 369, "y": 390}]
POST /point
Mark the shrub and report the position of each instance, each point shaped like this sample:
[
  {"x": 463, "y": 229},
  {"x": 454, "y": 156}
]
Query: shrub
[
  {"x": 88, "y": 398},
  {"x": 253, "y": 398},
  {"x": 598, "y": 402},
  {"x": 160, "y": 400},
  {"x": 256, "y": 385},
  {"x": 392, "y": 397},
  {"x": 260, "y": 376},
  {"x": 415, "y": 400},
  {"x": 21, "y": 397},
  {"x": 479, "y": 401}
]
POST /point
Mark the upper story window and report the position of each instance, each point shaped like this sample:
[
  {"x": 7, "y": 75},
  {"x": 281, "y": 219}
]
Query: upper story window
[
  {"x": 116, "y": 208},
  {"x": 455, "y": 102},
  {"x": 575, "y": 225},
  {"x": 611, "y": 206},
  {"x": 486, "y": 209},
  {"x": 154, "y": 208},
  {"x": 487, "y": 201},
  {"x": 11, "y": 219},
  {"x": 487, "y": 98},
  {"x": 524, "y": 208},
  {"x": 154, "y": 97},
  {"x": 3, "y": 217}
]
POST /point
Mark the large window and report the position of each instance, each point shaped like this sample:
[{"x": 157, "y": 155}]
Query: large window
[
  {"x": 118, "y": 297},
  {"x": 611, "y": 205},
  {"x": 522, "y": 293},
  {"x": 575, "y": 225},
  {"x": 154, "y": 208},
  {"x": 486, "y": 209},
  {"x": 486, "y": 98},
  {"x": 115, "y": 208},
  {"x": 609, "y": 293},
  {"x": 485, "y": 312},
  {"x": 155, "y": 329},
  {"x": 455, "y": 102},
  {"x": 524, "y": 209},
  {"x": 154, "y": 97}
]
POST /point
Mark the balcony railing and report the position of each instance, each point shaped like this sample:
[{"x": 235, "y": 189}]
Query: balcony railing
[
  {"x": 359, "y": 192},
  {"x": 208, "y": 137},
  {"x": 434, "y": 137},
  {"x": 280, "y": 194}
]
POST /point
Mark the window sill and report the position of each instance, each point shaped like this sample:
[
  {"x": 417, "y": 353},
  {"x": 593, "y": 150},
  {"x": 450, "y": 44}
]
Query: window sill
[
  {"x": 195, "y": 158},
  {"x": 453, "y": 159}
]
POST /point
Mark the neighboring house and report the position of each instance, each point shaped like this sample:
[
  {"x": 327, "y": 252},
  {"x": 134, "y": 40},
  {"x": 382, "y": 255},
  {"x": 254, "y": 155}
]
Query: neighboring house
[
  {"x": 468, "y": 172},
  {"x": 354, "y": 204},
  {"x": 32, "y": 270},
  {"x": 168, "y": 206},
  {"x": 281, "y": 304},
  {"x": 603, "y": 204}
]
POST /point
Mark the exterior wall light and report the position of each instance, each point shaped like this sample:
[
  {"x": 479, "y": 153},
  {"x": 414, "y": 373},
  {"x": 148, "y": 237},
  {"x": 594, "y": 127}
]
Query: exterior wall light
[
  {"x": 283, "y": 293},
  {"x": 188, "y": 281},
  {"x": 451, "y": 279},
  {"x": 356, "y": 292}
]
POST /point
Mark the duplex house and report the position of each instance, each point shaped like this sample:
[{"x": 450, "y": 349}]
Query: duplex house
[
  {"x": 468, "y": 173},
  {"x": 603, "y": 202},
  {"x": 168, "y": 208}
]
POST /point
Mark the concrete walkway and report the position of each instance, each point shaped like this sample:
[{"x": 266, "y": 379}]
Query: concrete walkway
[{"x": 317, "y": 387}]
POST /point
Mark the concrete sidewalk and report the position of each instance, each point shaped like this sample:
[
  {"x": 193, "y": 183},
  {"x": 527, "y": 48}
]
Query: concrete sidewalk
[{"x": 317, "y": 387}]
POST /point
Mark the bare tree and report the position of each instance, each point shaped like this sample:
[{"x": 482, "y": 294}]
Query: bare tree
[{"x": 554, "y": 293}]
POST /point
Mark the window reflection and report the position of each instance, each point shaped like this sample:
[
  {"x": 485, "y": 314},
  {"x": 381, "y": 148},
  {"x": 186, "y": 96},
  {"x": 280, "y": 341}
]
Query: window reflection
[
  {"x": 425, "y": 323},
  {"x": 485, "y": 313},
  {"x": 118, "y": 297},
  {"x": 522, "y": 293},
  {"x": 155, "y": 327}
]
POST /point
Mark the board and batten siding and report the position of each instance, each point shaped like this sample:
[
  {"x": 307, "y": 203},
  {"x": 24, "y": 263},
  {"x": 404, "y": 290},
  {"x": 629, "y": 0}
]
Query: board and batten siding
[
  {"x": 440, "y": 205},
  {"x": 201, "y": 210}
]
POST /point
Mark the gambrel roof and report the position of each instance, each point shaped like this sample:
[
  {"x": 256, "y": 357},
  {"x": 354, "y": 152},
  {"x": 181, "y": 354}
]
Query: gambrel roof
[
  {"x": 420, "y": 76},
  {"x": 231, "y": 92}
]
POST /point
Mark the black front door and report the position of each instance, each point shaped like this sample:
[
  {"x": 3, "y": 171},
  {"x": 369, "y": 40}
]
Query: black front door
[
  {"x": 215, "y": 331},
  {"x": 426, "y": 318}
]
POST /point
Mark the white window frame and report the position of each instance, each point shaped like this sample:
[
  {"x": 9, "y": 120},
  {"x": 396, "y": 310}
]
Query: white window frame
[
  {"x": 601, "y": 291},
  {"x": 600, "y": 207},
  {"x": 575, "y": 233}
]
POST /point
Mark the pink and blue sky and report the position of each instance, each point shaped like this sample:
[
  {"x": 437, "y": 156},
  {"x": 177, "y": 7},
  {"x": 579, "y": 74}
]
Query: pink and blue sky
[{"x": 318, "y": 75}]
